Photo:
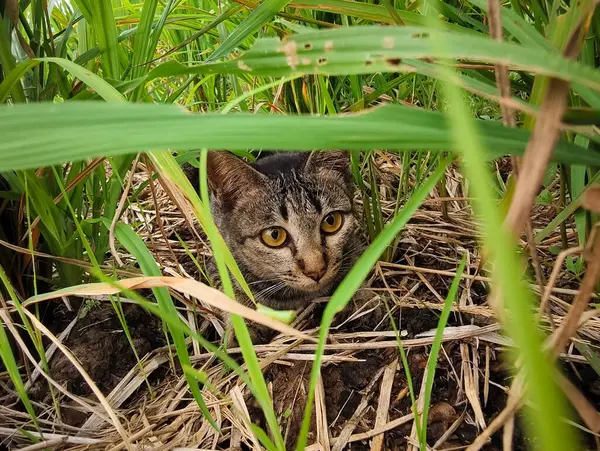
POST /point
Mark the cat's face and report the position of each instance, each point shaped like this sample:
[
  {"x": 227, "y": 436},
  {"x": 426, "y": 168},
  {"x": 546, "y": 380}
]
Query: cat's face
[{"x": 288, "y": 219}]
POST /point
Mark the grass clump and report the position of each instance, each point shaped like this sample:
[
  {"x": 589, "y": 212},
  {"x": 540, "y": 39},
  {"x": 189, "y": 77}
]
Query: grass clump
[{"x": 469, "y": 182}]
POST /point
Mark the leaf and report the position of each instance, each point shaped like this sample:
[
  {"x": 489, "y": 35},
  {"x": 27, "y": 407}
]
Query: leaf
[
  {"x": 370, "y": 49},
  {"x": 211, "y": 296},
  {"x": 142, "y": 49},
  {"x": 149, "y": 267},
  {"x": 105, "y": 29},
  {"x": 102, "y": 87},
  {"x": 436, "y": 345},
  {"x": 257, "y": 19},
  {"x": 73, "y": 131},
  {"x": 13, "y": 77}
]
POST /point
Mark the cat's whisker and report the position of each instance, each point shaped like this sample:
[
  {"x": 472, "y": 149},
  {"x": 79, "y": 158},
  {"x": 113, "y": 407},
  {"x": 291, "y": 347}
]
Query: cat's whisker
[
  {"x": 256, "y": 282},
  {"x": 270, "y": 290}
]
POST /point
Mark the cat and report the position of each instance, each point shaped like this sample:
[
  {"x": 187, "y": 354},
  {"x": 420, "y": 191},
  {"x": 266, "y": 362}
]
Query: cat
[{"x": 290, "y": 221}]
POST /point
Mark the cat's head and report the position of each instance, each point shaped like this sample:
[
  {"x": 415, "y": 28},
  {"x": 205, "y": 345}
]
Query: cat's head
[{"x": 289, "y": 218}]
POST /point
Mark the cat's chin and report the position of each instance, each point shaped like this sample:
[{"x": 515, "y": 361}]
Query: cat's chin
[{"x": 314, "y": 288}]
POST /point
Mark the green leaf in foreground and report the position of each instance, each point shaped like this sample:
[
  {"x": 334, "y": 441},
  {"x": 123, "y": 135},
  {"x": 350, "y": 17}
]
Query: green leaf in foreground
[
  {"x": 354, "y": 280},
  {"x": 72, "y": 131},
  {"x": 257, "y": 19},
  {"x": 547, "y": 425},
  {"x": 371, "y": 49}
]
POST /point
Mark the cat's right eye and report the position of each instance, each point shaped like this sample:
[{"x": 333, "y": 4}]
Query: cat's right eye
[{"x": 274, "y": 237}]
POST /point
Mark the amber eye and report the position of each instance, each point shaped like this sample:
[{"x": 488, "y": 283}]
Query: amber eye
[
  {"x": 332, "y": 222},
  {"x": 274, "y": 237}
]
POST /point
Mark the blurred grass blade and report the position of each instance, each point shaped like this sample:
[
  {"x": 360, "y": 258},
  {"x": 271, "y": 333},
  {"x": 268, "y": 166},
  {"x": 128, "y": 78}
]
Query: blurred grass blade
[
  {"x": 370, "y": 49},
  {"x": 546, "y": 422},
  {"x": 356, "y": 277},
  {"x": 73, "y": 131},
  {"x": 257, "y": 19}
]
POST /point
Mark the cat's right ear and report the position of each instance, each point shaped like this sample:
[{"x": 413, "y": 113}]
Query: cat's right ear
[{"x": 230, "y": 176}]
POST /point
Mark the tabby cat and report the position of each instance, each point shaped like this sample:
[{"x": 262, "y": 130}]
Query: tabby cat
[{"x": 290, "y": 222}]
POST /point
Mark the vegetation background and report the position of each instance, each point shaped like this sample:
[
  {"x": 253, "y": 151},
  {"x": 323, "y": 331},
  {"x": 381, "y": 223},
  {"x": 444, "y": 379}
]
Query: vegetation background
[{"x": 482, "y": 116}]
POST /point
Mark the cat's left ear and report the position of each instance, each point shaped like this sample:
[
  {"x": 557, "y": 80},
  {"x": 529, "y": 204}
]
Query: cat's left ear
[{"x": 334, "y": 163}]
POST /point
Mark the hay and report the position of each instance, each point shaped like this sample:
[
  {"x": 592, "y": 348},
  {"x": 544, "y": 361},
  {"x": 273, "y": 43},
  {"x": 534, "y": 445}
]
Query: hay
[{"x": 375, "y": 410}]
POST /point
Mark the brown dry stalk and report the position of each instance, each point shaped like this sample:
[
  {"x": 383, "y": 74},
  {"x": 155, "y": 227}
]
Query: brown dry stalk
[
  {"x": 385, "y": 393},
  {"x": 501, "y": 72},
  {"x": 73, "y": 360},
  {"x": 120, "y": 207},
  {"x": 211, "y": 296},
  {"x": 558, "y": 340},
  {"x": 537, "y": 154},
  {"x": 513, "y": 403},
  {"x": 321, "y": 415},
  {"x": 580, "y": 304},
  {"x": 586, "y": 410},
  {"x": 545, "y": 134},
  {"x": 159, "y": 220}
]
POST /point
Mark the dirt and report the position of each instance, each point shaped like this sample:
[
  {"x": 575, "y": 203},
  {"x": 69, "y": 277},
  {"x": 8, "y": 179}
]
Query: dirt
[
  {"x": 99, "y": 343},
  {"x": 103, "y": 349},
  {"x": 345, "y": 383}
]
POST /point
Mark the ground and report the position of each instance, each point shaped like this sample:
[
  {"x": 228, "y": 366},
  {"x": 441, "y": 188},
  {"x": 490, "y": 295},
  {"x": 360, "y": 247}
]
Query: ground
[{"x": 362, "y": 372}]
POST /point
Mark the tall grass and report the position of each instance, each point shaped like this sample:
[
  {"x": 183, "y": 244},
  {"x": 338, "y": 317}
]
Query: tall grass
[{"x": 89, "y": 84}]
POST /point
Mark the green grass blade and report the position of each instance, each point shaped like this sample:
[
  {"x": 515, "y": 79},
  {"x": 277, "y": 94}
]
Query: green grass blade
[
  {"x": 142, "y": 50},
  {"x": 546, "y": 425},
  {"x": 13, "y": 77},
  {"x": 356, "y": 277},
  {"x": 241, "y": 331},
  {"x": 8, "y": 358},
  {"x": 73, "y": 131},
  {"x": 132, "y": 242},
  {"x": 103, "y": 88},
  {"x": 435, "y": 349},
  {"x": 370, "y": 49},
  {"x": 517, "y": 26},
  {"x": 254, "y": 22},
  {"x": 12, "y": 368},
  {"x": 105, "y": 30},
  {"x": 7, "y": 59}
]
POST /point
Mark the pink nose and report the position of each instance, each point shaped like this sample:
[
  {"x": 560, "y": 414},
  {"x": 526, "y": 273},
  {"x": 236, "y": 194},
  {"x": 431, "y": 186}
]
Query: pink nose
[{"x": 315, "y": 274}]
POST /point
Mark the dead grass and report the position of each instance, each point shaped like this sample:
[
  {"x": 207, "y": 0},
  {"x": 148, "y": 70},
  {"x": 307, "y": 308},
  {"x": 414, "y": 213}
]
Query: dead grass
[{"x": 362, "y": 399}]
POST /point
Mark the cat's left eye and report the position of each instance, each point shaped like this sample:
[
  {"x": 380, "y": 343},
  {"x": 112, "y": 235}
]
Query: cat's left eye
[
  {"x": 274, "y": 237},
  {"x": 332, "y": 222}
]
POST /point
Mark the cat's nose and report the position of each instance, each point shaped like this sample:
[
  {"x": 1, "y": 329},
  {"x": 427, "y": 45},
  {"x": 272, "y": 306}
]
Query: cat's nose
[
  {"x": 316, "y": 274},
  {"x": 315, "y": 269}
]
